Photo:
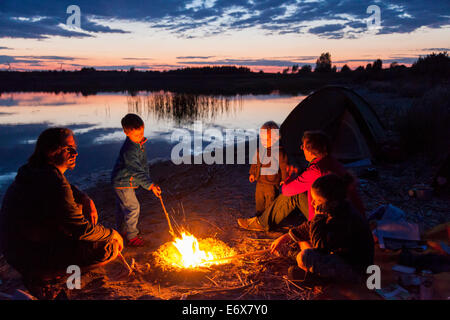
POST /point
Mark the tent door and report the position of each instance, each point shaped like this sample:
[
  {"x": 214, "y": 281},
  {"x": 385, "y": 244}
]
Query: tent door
[{"x": 349, "y": 143}]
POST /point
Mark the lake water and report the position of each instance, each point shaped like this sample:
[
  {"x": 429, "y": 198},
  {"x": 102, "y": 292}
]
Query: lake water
[{"x": 95, "y": 120}]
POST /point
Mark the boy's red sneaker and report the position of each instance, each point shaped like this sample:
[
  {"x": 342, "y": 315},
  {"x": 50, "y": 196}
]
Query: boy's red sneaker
[{"x": 136, "y": 242}]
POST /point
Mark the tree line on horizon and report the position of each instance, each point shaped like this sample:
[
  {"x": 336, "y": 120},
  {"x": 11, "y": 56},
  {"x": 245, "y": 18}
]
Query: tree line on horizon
[
  {"x": 431, "y": 70},
  {"x": 434, "y": 63}
]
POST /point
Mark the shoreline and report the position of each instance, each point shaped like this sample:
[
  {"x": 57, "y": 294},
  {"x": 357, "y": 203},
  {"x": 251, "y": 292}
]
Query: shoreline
[{"x": 91, "y": 82}]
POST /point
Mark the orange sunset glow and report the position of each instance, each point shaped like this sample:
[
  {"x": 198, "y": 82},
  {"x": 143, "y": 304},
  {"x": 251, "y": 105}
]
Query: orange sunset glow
[{"x": 268, "y": 37}]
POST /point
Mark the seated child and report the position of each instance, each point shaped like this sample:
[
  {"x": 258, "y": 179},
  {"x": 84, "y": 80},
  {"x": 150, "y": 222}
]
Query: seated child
[
  {"x": 337, "y": 242},
  {"x": 130, "y": 172},
  {"x": 268, "y": 175}
]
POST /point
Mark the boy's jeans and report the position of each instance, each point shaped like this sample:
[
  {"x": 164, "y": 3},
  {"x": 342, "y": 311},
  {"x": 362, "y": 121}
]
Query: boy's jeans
[{"x": 127, "y": 214}]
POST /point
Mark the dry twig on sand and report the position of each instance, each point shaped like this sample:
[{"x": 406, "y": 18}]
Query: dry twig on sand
[
  {"x": 215, "y": 283},
  {"x": 125, "y": 263},
  {"x": 194, "y": 292}
]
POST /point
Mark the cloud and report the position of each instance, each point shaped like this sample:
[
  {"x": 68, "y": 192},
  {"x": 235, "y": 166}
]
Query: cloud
[
  {"x": 398, "y": 59},
  {"x": 406, "y": 60},
  {"x": 269, "y": 61},
  {"x": 90, "y": 25},
  {"x": 200, "y": 18},
  {"x": 52, "y": 58},
  {"x": 4, "y": 59},
  {"x": 43, "y": 19},
  {"x": 137, "y": 59},
  {"x": 327, "y": 28},
  {"x": 333, "y": 31},
  {"x": 40, "y": 29},
  {"x": 195, "y": 57},
  {"x": 246, "y": 62},
  {"x": 140, "y": 67},
  {"x": 125, "y": 67},
  {"x": 436, "y": 49},
  {"x": 42, "y": 62}
]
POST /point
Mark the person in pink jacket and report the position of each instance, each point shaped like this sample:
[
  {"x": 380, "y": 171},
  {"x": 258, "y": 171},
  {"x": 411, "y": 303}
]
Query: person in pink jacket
[{"x": 296, "y": 192}]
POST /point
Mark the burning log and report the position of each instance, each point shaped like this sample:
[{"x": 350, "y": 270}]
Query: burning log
[
  {"x": 187, "y": 252},
  {"x": 239, "y": 256}
]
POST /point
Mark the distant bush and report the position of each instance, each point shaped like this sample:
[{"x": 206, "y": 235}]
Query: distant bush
[
  {"x": 393, "y": 65},
  {"x": 433, "y": 64},
  {"x": 345, "y": 68},
  {"x": 305, "y": 69},
  {"x": 212, "y": 70},
  {"x": 323, "y": 63},
  {"x": 86, "y": 69},
  {"x": 377, "y": 65},
  {"x": 425, "y": 127}
]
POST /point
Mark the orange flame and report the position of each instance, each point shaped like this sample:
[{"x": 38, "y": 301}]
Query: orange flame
[
  {"x": 189, "y": 252},
  {"x": 189, "y": 249}
]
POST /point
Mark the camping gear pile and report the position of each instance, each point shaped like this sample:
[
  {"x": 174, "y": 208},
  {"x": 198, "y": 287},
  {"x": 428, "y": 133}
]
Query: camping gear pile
[{"x": 422, "y": 256}]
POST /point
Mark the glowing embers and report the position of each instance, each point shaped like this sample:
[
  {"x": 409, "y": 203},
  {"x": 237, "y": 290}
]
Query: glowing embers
[{"x": 190, "y": 252}]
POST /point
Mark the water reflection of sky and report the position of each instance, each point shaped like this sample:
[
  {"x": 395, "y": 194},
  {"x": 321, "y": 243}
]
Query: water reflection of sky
[{"x": 96, "y": 123}]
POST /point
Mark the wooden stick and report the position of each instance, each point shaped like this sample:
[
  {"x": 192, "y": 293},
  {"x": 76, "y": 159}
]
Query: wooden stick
[
  {"x": 167, "y": 217},
  {"x": 297, "y": 286},
  {"x": 245, "y": 293},
  {"x": 209, "y": 290},
  {"x": 130, "y": 271},
  {"x": 238, "y": 256},
  {"x": 239, "y": 277},
  {"x": 212, "y": 281}
]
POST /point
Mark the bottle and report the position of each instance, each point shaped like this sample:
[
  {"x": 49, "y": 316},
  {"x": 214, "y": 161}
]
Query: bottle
[{"x": 426, "y": 285}]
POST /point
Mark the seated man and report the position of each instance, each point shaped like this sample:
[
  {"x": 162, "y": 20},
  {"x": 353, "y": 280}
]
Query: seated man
[
  {"x": 316, "y": 148},
  {"x": 337, "y": 242},
  {"x": 46, "y": 224}
]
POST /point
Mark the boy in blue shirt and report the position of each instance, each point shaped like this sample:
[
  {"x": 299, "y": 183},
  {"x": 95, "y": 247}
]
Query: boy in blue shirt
[{"x": 130, "y": 172}]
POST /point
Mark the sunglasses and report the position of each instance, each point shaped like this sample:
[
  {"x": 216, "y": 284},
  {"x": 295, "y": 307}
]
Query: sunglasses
[{"x": 71, "y": 150}]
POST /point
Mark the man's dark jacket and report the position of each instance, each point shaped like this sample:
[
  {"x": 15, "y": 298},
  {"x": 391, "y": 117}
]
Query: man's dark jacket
[{"x": 41, "y": 214}]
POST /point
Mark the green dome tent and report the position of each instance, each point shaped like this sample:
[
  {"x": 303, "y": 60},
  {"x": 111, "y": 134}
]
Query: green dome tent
[{"x": 353, "y": 126}]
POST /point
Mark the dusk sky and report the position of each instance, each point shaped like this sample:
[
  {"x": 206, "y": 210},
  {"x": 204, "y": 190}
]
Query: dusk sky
[{"x": 263, "y": 35}]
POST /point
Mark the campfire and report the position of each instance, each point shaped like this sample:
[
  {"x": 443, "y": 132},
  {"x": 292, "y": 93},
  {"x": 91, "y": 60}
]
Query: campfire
[{"x": 188, "y": 252}]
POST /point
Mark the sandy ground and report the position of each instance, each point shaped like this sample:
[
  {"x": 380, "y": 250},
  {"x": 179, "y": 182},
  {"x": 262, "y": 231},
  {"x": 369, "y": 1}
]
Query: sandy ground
[{"x": 207, "y": 200}]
